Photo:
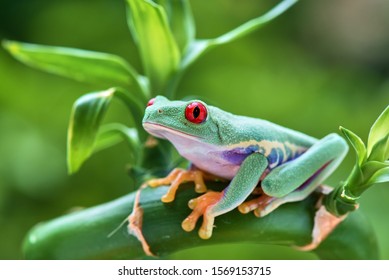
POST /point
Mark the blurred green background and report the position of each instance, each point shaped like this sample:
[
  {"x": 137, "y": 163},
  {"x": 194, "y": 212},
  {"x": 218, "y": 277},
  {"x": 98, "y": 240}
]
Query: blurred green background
[{"x": 323, "y": 64}]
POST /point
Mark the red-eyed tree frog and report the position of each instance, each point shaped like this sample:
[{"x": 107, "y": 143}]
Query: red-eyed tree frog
[{"x": 276, "y": 164}]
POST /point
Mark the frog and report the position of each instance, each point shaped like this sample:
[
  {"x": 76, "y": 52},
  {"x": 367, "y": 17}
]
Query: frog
[{"x": 273, "y": 163}]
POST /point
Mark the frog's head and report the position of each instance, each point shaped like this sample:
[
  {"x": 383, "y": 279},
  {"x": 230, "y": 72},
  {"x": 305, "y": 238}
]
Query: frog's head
[{"x": 180, "y": 120}]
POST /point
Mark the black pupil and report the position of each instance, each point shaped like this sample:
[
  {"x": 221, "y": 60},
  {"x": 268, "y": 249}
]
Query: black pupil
[{"x": 196, "y": 112}]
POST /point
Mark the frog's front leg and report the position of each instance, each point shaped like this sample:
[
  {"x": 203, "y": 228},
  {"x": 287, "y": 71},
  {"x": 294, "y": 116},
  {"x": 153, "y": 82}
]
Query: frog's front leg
[
  {"x": 213, "y": 204},
  {"x": 179, "y": 176}
]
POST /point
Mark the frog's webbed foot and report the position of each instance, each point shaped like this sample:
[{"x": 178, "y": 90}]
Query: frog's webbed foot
[
  {"x": 265, "y": 204},
  {"x": 179, "y": 176},
  {"x": 202, "y": 206},
  {"x": 261, "y": 205}
]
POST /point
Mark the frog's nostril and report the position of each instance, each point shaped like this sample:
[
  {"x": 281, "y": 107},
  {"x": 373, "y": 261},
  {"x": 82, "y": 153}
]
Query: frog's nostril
[{"x": 160, "y": 111}]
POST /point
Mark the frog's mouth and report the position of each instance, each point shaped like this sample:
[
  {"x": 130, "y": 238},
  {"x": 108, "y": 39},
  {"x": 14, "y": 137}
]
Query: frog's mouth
[{"x": 165, "y": 132}]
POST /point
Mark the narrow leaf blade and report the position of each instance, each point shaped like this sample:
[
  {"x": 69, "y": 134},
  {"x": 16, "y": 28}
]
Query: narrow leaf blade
[
  {"x": 159, "y": 52},
  {"x": 356, "y": 143},
  {"x": 181, "y": 21},
  {"x": 136, "y": 106},
  {"x": 381, "y": 176},
  {"x": 85, "y": 66},
  {"x": 199, "y": 47},
  {"x": 254, "y": 24},
  {"x": 380, "y": 150},
  {"x": 114, "y": 133},
  {"x": 85, "y": 121},
  {"x": 371, "y": 167},
  {"x": 379, "y": 130}
]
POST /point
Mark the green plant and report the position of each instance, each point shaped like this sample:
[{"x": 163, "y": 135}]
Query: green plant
[
  {"x": 371, "y": 167},
  {"x": 164, "y": 64}
]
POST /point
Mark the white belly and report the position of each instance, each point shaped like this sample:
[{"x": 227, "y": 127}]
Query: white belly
[{"x": 208, "y": 158}]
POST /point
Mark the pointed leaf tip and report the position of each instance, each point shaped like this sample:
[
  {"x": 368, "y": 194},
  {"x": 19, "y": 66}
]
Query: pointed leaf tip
[
  {"x": 10, "y": 46},
  {"x": 81, "y": 65},
  {"x": 356, "y": 143},
  {"x": 379, "y": 130}
]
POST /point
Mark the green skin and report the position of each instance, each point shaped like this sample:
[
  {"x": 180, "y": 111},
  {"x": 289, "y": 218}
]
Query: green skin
[{"x": 288, "y": 165}]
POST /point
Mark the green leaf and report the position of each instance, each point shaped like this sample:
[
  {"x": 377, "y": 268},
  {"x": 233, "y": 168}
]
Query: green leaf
[
  {"x": 371, "y": 167},
  {"x": 87, "y": 114},
  {"x": 380, "y": 151},
  {"x": 181, "y": 21},
  {"x": 85, "y": 121},
  {"x": 136, "y": 106},
  {"x": 86, "y": 66},
  {"x": 356, "y": 143},
  {"x": 199, "y": 47},
  {"x": 379, "y": 130},
  {"x": 85, "y": 232},
  {"x": 159, "y": 52},
  {"x": 114, "y": 133},
  {"x": 381, "y": 176}
]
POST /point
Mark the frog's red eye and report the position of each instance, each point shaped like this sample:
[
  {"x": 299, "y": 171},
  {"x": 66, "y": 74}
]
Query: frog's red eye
[
  {"x": 151, "y": 102},
  {"x": 196, "y": 112}
]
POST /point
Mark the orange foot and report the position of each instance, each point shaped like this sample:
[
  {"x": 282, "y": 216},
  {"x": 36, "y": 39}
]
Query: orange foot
[
  {"x": 202, "y": 206},
  {"x": 259, "y": 205},
  {"x": 179, "y": 176}
]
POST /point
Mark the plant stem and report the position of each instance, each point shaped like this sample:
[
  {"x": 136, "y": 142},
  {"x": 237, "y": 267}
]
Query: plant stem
[{"x": 83, "y": 235}]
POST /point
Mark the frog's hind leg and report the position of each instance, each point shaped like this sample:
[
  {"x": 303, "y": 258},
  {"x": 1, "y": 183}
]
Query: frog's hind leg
[
  {"x": 297, "y": 179},
  {"x": 309, "y": 169},
  {"x": 264, "y": 204}
]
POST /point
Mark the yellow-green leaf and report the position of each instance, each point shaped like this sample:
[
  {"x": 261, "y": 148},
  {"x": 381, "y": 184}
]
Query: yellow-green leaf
[
  {"x": 379, "y": 130},
  {"x": 371, "y": 167},
  {"x": 199, "y": 47},
  {"x": 85, "y": 121},
  {"x": 159, "y": 52},
  {"x": 380, "y": 150},
  {"x": 181, "y": 21},
  {"x": 86, "y": 66},
  {"x": 114, "y": 133},
  {"x": 381, "y": 176},
  {"x": 356, "y": 143}
]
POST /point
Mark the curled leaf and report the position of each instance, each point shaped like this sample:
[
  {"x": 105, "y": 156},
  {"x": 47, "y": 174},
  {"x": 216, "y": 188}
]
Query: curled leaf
[
  {"x": 85, "y": 121},
  {"x": 356, "y": 143},
  {"x": 114, "y": 133}
]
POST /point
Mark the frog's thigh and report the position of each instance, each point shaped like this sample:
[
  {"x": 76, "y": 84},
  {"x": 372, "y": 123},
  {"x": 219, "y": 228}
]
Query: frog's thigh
[{"x": 307, "y": 171}]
